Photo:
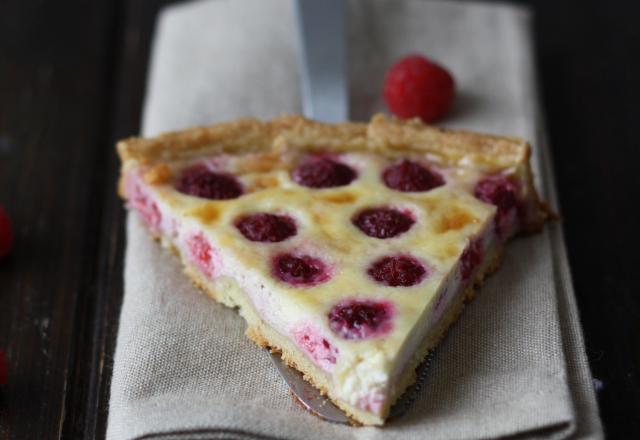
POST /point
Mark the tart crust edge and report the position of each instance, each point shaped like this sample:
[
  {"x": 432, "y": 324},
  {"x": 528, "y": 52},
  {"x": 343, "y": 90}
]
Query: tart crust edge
[{"x": 382, "y": 135}]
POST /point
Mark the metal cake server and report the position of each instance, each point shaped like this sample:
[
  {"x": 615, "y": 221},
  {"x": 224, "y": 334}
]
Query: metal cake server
[
  {"x": 323, "y": 60},
  {"x": 312, "y": 400},
  {"x": 321, "y": 26}
]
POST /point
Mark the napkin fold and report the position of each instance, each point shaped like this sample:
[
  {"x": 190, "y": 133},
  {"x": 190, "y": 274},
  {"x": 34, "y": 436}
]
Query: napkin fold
[{"x": 514, "y": 365}]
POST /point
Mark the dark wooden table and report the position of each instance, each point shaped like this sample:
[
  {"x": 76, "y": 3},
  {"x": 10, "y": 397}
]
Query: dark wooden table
[{"x": 72, "y": 78}]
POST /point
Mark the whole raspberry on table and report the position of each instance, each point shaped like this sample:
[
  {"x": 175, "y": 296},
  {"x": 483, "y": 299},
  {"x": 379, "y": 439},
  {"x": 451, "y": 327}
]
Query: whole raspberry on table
[
  {"x": 6, "y": 233},
  {"x": 416, "y": 86}
]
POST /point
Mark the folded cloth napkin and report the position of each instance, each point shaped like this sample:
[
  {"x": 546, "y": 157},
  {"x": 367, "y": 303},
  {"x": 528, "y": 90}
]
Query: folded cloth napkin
[{"x": 514, "y": 365}]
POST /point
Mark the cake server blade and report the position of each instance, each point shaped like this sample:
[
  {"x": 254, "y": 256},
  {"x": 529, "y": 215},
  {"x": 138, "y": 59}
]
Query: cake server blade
[
  {"x": 307, "y": 394},
  {"x": 323, "y": 55},
  {"x": 323, "y": 59},
  {"x": 321, "y": 31},
  {"x": 314, "y": 401}
]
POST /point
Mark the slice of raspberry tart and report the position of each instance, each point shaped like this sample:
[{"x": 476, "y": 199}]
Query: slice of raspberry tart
[{"x": 349, "y": 248}]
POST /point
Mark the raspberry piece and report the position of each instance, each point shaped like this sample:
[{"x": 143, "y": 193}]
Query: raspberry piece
[
  {"x": 4, "y": 368},
  {"x": 6, "y": 233},
  {"x": 499, "y": 191},
  {"x": 471, "y": 258},
  {"x": 416, "y": 86},
  {"x": 408, "y": 176},
  {"x": 360, "y": 319},
  {"x": 371, "y": 402},
  {"x": 316, "y": 346},
  {"x": 303, "y": 270},
  {"x": 139, "y": 199},
  {"x": 203, "y": 254},
  {"x": 266, "y": 227},
  {"x": 323, "y": 173},
  {"x": 399, "y": 270},
  {"x": 149, "y": 211},
  {"x": 382, "y": 222},
  {"x": 199, "y": 181},
  {"x": 503, "y": 193}
]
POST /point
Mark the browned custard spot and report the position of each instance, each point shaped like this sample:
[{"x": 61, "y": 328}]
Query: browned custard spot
[
  {"x": 428, "y": 204},
  {"x": 340, "y": 198},
  {"x": 207, "y": 213},
  {"x": 158, "y": 174},
  {"x": 264, "y": 182},
  {"x": 319, "y": 218},
  {"x": 451, "y": 250},
  {"x": 454, "y": 219}
]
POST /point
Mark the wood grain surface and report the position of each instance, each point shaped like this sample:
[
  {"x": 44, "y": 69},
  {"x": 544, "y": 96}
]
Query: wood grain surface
[{"x": 72, "y": 78}]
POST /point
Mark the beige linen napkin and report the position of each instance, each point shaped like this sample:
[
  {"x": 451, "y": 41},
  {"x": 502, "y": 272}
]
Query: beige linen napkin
[{"x": 514, "y": 365}]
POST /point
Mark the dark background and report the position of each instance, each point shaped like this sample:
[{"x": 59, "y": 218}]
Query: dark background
[{"x": 72, "y": 77}]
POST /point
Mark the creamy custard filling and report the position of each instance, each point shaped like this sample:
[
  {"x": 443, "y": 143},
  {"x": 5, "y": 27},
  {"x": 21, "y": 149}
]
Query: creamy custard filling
[
  {"x": 202, "y": 251},
  {"x": 363, "y": 383}
]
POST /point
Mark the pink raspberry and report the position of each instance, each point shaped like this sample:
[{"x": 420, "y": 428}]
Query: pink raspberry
[
  {"x": 299, "y": 270},
  {"x": 147, "y": 208},
  {"x": 316, "y": 346},
  {"x": 203, "y": 254},
  {"x": 360, "y": 319},
  {"x": 399, "y": 270},
  {"x": 471, "y": 258},
  {"x": 323, "y": 173},
  {"x": 382, "y": 222},
  {"x": 502, "y": 192},
  {"x": 408, "y": 176},
  {"x": 265, "y": 227},
  {"x": 415, "y": 86},
  {"x": 199, "y": 181},
  {"x": 499, "y": 191}
]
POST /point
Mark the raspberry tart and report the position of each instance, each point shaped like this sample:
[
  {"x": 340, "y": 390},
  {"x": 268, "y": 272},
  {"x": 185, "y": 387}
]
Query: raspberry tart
[{"x": 348, "y": 248}]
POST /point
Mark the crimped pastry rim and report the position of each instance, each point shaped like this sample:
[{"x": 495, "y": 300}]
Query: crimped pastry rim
[{"x": 381, "y": 135}]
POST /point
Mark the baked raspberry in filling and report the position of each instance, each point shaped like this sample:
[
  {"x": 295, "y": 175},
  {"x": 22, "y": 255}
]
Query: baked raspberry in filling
[
  {"x": 383, "y": 222},
  {"x": 202, "y": 254},
  {"x": 371, "y": 402},
  {"x": 301, "y": 270},
  {"x": 409, "y": 176},
  {"x": 398, "y": 270},
  {"x": 200, "y": 181},
  {"x": 502, "y": 192},
  {"x": 144, "y": 205},
  {"x": 322, "y": 172},
  {"x": 316, "y": 346},
  {"x": 471, "y": 258},
  {"x": 361, "y": 319},
  {"x": 265, "y": 227}
]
